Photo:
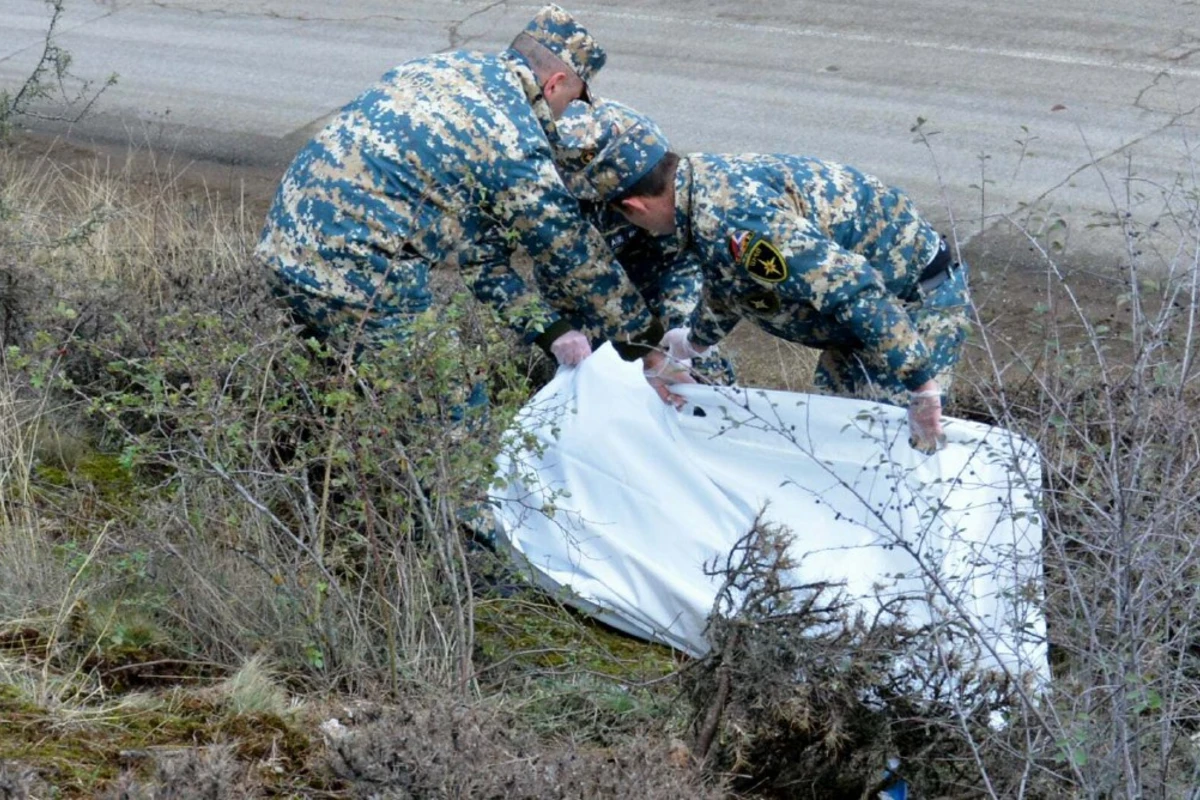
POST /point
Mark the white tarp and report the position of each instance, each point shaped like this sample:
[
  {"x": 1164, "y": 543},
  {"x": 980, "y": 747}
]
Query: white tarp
[{"x": 618, "y": 502}]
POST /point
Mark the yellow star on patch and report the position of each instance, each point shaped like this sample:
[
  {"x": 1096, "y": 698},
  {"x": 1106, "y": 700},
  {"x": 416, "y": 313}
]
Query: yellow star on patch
[{"x": 764, "y": 261}]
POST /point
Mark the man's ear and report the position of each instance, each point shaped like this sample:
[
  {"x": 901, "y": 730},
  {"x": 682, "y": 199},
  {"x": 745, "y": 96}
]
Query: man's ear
[
  {"x": 554, "y": 83},
  {"x": 634, "y": 205}
]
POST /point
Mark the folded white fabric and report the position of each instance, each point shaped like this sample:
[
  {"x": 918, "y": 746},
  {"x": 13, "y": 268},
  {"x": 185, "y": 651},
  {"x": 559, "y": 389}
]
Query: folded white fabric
[{"x": 618, "y": 502}]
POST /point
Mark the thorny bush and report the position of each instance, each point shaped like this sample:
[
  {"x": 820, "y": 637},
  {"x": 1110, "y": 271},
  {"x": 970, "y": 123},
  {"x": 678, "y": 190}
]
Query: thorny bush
[{"x": 804, "y": 695}]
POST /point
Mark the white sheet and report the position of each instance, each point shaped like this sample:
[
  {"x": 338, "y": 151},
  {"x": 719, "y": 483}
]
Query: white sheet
[{"x": 641, "y": 498}]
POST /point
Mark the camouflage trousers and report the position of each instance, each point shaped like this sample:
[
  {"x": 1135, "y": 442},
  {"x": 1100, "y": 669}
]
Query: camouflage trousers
[{"x": 942, "y": 320}]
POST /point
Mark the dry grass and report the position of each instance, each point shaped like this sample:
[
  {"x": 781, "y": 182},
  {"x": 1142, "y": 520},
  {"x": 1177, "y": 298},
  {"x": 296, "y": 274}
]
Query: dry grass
[
  {"x": 189, "y": 495},
  {"x": 764, "y": 360}
]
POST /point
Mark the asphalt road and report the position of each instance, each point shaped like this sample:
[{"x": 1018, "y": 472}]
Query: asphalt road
[{"x": 1072, "y": 106}]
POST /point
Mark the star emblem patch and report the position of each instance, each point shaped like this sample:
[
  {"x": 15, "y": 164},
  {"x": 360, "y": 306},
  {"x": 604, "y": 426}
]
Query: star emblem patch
[
  {"x": 764, "y": 261},
  {"x": 762, "y": 302}
]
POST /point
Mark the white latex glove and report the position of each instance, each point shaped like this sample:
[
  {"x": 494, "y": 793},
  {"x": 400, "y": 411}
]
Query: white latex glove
[
  {"x": 925, "y": 419},
  {"x": 679, "y": 348},
  {"x": 571, "y": 348},
  {"x": 662, "y": 372}
]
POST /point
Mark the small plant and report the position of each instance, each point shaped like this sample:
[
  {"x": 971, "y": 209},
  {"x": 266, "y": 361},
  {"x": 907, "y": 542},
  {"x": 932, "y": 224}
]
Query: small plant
[
  {"x": 51, "y": 80},
  {"x": 254, "y": 689}
]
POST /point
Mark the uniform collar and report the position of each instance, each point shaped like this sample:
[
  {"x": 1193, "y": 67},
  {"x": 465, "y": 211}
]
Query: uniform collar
[
  {"x": 683, "y": 203},
  {"x": 519, "y": 66}
]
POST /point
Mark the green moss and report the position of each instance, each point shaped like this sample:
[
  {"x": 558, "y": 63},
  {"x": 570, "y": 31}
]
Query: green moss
[
  {"x": 97, "y": 484},
  {"x": 48, "y": 475},
  {"x": 79, "y": 759},
  {"x": 107, "y": 474},
  {"x": 571, "y": 675},
  {"x": 535, "y": 632},
  {"x": 71, "y": 761}
]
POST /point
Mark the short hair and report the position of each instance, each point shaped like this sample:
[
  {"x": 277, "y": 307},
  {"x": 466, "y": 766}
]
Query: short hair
[
  {"x": 542, "y": 59},
  {"x": 654, "y": 182}
]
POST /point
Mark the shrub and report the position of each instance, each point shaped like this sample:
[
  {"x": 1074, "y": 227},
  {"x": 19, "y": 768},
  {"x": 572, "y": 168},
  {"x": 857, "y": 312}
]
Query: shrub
[
  {"x": 802, "y": 694},
  {"x": 438, "y": 747}
]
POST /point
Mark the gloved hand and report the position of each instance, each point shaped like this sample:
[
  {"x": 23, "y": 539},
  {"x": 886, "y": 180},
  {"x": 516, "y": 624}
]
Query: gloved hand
[
  {"x": 679, "y": 348},
  {"x": 662, "y": 371},
  {"x": 571, "y": 348},
  {"x": 925, "y": 419}
]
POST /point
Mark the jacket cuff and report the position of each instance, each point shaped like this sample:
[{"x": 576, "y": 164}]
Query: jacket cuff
[
  {"x": 700, "y": 342},
  {"x": 547, "y": 337},
  {"x": 641, "y": 344},
  {"x": 918, "y": 378}
]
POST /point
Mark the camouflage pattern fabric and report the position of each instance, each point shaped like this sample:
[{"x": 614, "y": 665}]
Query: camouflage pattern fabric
[
  {"x": 821, "y": 254},
  {"x": 585, "y": 131},
  {"x": 941, "y": 320},
  {"x": 557, "y": 31},
  {"x": 668, "y": 282},
  {"x": 445, "y": 163},
  {"x": 626, "y": 156}
]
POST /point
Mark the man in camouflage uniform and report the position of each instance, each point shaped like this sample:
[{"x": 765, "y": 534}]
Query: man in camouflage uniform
[
  {"x": 447, "y": 162},
  {"x": 811, "y": 251},
  {"x": 668, "y": 281}
]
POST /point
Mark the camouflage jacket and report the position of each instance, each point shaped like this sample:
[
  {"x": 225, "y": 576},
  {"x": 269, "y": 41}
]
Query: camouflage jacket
[
  {"x": 668, "y": 281},
  {"x": 813, "y": 252},
  {"x": 446, "y": 162}
]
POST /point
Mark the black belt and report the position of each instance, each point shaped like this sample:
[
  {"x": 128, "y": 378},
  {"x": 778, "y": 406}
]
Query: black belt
[{"x": 937, "y": 271}]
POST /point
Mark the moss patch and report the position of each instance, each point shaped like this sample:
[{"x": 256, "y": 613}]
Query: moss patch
[
  {"x": 534, "y": 632},
  {"x": 79, "y": 757}
]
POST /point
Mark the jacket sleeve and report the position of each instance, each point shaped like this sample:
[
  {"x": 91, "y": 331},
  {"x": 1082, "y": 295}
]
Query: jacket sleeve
[
  {"x": 840, "y": 284},
  {"x": 679, "y": 288},
  {"x": 488, "y": 271},
  {"x": 713, "y": 319},
  {"x": 573, "y": 263}
]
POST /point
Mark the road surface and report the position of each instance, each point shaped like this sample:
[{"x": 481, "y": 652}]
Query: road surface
[{"x": 1024, "y": 99}]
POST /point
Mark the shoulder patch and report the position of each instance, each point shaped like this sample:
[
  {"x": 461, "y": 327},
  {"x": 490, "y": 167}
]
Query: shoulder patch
[
  {"x": 765, "y": 302},
  {"x": 737, "y": 244},
  {"x": 764, "y": 261}
]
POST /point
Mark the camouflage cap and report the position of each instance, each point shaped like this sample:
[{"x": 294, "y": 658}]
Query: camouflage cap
[
  {"x": 606, "y": 148},
  {"x": 583, "y": 131},
  {"x": 557, "y": 31}
]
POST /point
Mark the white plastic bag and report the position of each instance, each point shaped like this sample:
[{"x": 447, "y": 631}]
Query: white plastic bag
[{"x": 622, "y": 502}]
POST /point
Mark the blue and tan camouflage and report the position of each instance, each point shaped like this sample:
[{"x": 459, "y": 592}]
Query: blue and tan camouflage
[
  {"x": 824, "y": 255},
  {"x": 559, "y": 32},
  {"x": 584, "y": 131},
  {"x": 608, "y": 151},
  {"x": 941, "y": 322},
  {"x": 668, "y": 281},
  {"x": 605, "y": 147},
  {"x": 446, "y": 163}
]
